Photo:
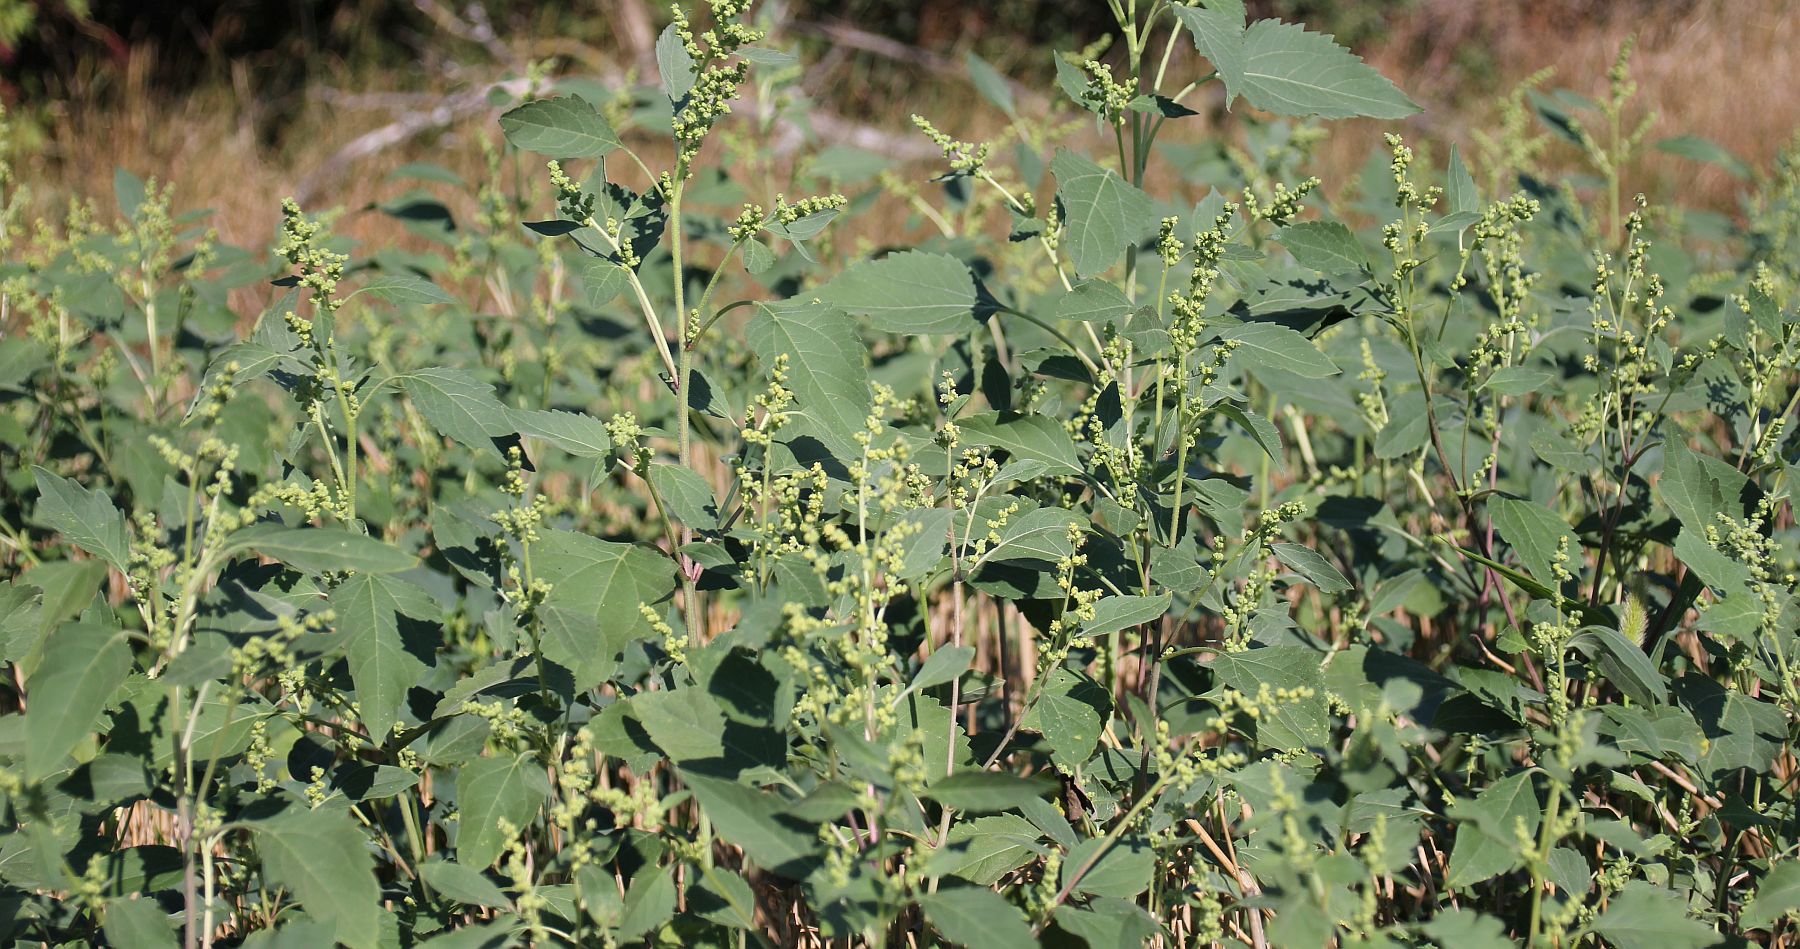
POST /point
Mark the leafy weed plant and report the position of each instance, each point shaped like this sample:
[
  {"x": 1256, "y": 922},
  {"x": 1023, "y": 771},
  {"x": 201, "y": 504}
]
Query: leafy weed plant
[{"x": 1170, "y": 549}]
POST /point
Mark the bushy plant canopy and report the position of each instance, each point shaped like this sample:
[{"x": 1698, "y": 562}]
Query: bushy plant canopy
[{"x": 1170, "y": 549}]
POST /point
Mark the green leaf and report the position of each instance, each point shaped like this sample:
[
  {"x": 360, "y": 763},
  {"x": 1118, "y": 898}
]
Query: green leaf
[
  {"x": 459, "y": 406},
  {"x": 1777, "y": 895},
  {"x": 1698, "y": 487},
  {"x": 753, "y": 820},
  {"x": 1274, "y": 346},
  {"x": 582, "y": 644},
  {"x": 1069, "y": 713},
  {"x": 988, "y": 81},
  {"x": 1518, "y": 380},
  {"x": 1123, "y": 870},
  {"x": 1705, "y": 150},
  {"x": 138, "y": 924},
  {"x": 1325, "y": 246},
  {"x": 82, "y": 665},
  {"x": 1217, "y": 28},
  {"x": 602, "y": 280},
  {"x": 1030, "y": 437},
  {"x": 1647, "y": 916},
  {"x": 908, "y": 292},
  {"x": 1312, "y": 565},
  {"x": 673, "y": 65},
  {"x": 1124, "y": 611},
  {"x": 318, "y": 549},
  {"x": 402, "y": 289},
  {"x": 689, "y": 498},
  {"x": 977, "y": 918},
  {"x": 1535, "y": 533},
  {"x": 1038, "y": 536},
  {"x": 322, "y": 857},
  {"x": 86, "y": 517},
  {"x": 601, "y": 579},
  {"x": 368, "y": 608},
  {"x": 724, "y": 897},
  {"x": 1104, "y": 212},
  {"x": 1486, "y": 833},
  {"x": 1624, "y": 664},
  {"x": 580, "y": 435},
  {"x": 650, "y": 902},
  {"x": 987, "y": 791},
  {"x": 987, "y": 848},
  {"x": 947, "y": 664},
  {"x": 1289, "y": 70},
  {"x": 1287, "y": 726},
  {"x": 563, "y": 127},
  {"x": 826, "y": 370},
  {"x": 1095, "y": 301},
  {"x": 488, "y": 791},
  {"x": 463, "y": 884}
]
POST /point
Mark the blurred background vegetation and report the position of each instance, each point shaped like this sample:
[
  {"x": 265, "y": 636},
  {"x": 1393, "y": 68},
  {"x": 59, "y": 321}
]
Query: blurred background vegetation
[{"x": 237, "y": 102}]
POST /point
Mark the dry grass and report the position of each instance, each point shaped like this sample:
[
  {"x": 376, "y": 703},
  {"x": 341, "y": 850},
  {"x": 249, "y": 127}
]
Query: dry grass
[{"x": 1717, "y": 68}]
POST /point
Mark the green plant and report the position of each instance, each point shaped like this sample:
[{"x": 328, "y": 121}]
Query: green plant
[{"x": 1261, "y": 561}]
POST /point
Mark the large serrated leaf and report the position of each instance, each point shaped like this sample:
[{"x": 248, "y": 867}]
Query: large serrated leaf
[
  {"x": 909, "y": 292},
  {"x": 1105, "y": 213},
  {"x": 86, "y": 517},
  {"x": 1289, "y": 70},
  {"x": 977, "y": 918},
  {"x": 826, "y": 370},
  {"x": 459, "y": 406},
  {"x": 369, "y": 608},
  {"x": 83, "y": 664},
  {"x": 322, "y": 858},
  {"x": 563, "y": 127},
  {"x": 489, "y": 790}
]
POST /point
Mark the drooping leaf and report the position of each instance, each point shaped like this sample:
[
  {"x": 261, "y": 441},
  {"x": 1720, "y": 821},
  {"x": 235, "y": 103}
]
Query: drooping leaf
[
  {"x": 688, "y": 496},
  {"x": 1487, "y": 833},
  {"x": 404, "y": 289},
  {"x": 1070, "y": 713},
  {"x": 1536, "y": 533},
  {"x": 1123, "y": 868},
  {"x": 1124, "y": 611},
  {"x": 987, "y": 791},
  {"x": 1312, "y": 565},
  {"x": 138, "y": 924},
  {"x": 461, "y": 883},
  {"x": 1217, "y": 28},
  {"x": 753, "y": 820},
  {"x": 947, "y": 664},
  {"x": 1777, "y": 895}
]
